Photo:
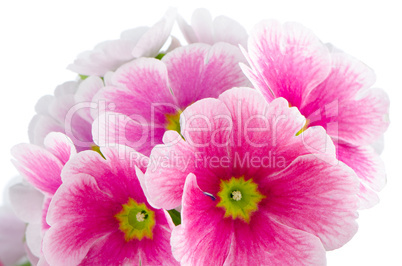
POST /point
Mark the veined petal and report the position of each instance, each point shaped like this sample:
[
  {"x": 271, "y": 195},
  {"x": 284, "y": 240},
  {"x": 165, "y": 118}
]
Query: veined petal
[
  {"x": 111, "y": 129},
  {"x": 316, "y": 197},
  {"x": 120, "y": 161},
  {"x": 204, "y": 237},
  {"x": 141, "y": 89},
  {"x": 71, "y": 235},
  {"x": 41, "y": 168},
  {"x": 60, "y": 146},
  {"x": 348, "y": 76},
  {"x": 207, "y": 127},
  {"x": 359, "y": 121},
  {"x": 199, "y": 71},
  {"x": 365, "y": 162},
  {"x": 288, "y": 60},
  {"x": 167, "y": 172},
  {"x": 266, "y": 242}
]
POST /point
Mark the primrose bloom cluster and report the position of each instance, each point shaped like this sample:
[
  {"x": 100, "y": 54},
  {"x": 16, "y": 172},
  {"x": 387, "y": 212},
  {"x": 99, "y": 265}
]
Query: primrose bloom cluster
[{"x": 219, "y": 147}]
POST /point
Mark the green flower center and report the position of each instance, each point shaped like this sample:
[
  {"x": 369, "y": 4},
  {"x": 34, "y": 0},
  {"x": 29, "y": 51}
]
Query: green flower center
[
  {"x": 239, "y": 198},
  {"x": 136, "y": 221},
  {"x": 173, "y": 121}
]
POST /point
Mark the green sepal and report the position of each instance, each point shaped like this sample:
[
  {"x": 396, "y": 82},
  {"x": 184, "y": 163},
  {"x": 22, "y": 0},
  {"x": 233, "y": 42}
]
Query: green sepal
[{"x": 175, "y": 215}]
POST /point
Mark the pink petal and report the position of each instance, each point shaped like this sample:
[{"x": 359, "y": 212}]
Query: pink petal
[
  {"x": 60, "y": 146},
  {"x": 41, "y": 168},
  {"x": 365, "y": 162},
  {"x": 367, "y": 197},
  {"x": 165, "y": 184},
  {"x": 141, "y": 89},
  {"x": 110, "y": 129},
  {"x": 347, "y": 77},
  {"x": 72, "y": 230},
  {"x": 114, "y": 175},
  {"x": 267, "y": 132},
  {"x": 288, "y": 60},
  {"x": 316, "y": 197},
  {"x": 359, "y": 121},
  {"x": 204, "y": 237},
  {"x": 158, "y": 251},
  {"x": 113, "y": 250},
  {"x": 200, "y": 71},
  {"x": 206, "y": 125},
  {"x": 344, "y": 104},
  {"x": 264, "y": 241}
]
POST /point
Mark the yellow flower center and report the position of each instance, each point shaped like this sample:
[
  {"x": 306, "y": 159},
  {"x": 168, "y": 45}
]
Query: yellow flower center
[
  {"x": 136, "y": 221},
  {"x": 239, "y": 198}
]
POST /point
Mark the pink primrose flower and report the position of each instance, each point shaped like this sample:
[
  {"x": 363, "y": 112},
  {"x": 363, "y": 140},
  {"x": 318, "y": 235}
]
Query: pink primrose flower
[
  {"x": 147, "y": 96},
  {"x": 330, "y": 88},
  {"x": 253, "y": 188},
  {"x": 100, "y": 215},
  {"x": 41, "y": 167}
]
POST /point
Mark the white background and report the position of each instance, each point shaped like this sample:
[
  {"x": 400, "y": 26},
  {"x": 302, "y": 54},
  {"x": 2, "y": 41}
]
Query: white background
[{"x": 38, "y": 39}]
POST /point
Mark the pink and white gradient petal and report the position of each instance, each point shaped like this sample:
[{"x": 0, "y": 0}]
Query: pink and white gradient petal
[
  {"x": 72, "y": 234},
  {"x": 199, "y": 71},
  {"x": 288, "y": 60},
  {"x": 316, "y": 197},
  {"x": 141, "y": 88},
  {"x": 206, "y": 126},
  {"x": 112, "y": 250},
  {"x": 368, "y": 166},
  {"x": 264, "y": 241},
  {"x": 111, "y": 129},
  {"x": 41, "y": 168},
  {"x": 347, "y": 77},
  {"x": 165, "y": 185},
  {"x": 60, "y": 146},
  {"x": 361, "y": 121},
  {"x": 204, "y": 237}
]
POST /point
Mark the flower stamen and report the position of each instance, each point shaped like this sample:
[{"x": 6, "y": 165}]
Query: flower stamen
[{"x": 236, "y": 195}]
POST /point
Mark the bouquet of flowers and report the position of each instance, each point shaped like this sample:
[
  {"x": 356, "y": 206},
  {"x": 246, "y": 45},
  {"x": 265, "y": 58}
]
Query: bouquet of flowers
[{"x": 236, "y": 148}]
